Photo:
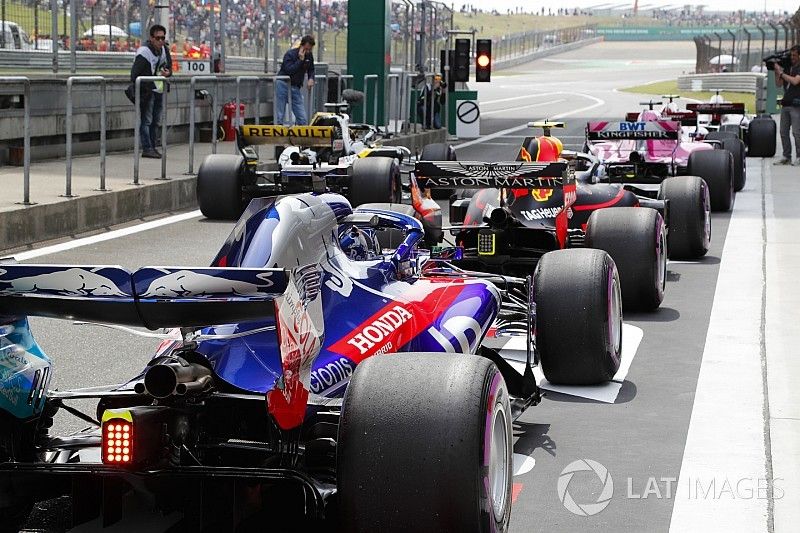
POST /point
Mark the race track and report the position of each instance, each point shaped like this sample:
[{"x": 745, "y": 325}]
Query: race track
[{"x": 637, "y": 430}]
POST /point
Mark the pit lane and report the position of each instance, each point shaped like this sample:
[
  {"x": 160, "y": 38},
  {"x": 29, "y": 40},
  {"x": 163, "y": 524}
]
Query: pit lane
[{"x": 641, "y": 435}]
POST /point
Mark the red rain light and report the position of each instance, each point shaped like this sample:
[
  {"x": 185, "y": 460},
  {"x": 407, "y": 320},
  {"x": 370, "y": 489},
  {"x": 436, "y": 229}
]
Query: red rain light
[{"x": 117, "y": 442}]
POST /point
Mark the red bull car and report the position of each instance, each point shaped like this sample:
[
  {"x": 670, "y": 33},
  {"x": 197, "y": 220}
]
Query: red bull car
[{"x": 307, "y": 372}]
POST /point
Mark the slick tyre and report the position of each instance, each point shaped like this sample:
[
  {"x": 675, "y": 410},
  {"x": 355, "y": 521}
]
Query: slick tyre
[
  {"x": 578, "y": 316},
  {"x": 439, "y": 152},
  {"x": 421, "y": 437},
  {"x": 375, "y": 180},
  {"x": 716, "y": 168},
  {"x": 219, "y": 187},
  {"x": 636, "y": 239},
  {"x": 761, "y": 135},
  {"x": 689, "y": 233},
  {"x": 731, "y": 142}
]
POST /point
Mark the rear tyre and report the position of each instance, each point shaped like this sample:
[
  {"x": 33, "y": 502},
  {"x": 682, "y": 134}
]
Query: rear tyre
[
  {"x": 439, "y": 152},
  {"x": 689, "y": 233},
  {"x": 219, "y": 187},
  {"x": 716, "y": 168},
  {"x": 375, "y": 180},
  {"x": 761, "y": 137},
  {"x": 636, "y": 240},
  {"x": 578, "y": 316},
  {"x": 458, "y": 436}
]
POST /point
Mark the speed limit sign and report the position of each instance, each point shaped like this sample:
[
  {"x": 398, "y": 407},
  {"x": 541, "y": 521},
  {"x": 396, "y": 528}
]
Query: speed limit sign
[{"x": 194, "y": 67}]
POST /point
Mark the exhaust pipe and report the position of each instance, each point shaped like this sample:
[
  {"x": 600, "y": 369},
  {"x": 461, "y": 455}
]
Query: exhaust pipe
[{"x": 173, "y": 376}]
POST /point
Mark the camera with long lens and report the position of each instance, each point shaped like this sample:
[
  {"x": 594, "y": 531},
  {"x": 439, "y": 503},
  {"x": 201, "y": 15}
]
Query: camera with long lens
[{"x": 778, "y": 58}]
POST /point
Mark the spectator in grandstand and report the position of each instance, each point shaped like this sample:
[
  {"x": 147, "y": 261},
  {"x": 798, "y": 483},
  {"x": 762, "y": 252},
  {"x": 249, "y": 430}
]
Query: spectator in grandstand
[
  {"x": 153, "y": 59},
  {"x": 297, "y": 63}
]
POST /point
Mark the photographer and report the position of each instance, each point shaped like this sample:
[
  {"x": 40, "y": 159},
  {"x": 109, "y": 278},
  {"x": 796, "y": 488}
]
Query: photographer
[
  {"x": 789, "y": 79},
  {"x": 153, "y": 59}
]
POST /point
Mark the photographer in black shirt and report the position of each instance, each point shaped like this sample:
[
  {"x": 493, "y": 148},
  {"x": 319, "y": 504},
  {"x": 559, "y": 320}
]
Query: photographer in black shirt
[{"x": 789, "y": 79}]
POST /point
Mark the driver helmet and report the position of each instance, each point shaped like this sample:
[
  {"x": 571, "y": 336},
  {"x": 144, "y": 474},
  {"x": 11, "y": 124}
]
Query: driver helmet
[
  {"x": 359, "y": 244},
  {"x": 542, "y": 148}
]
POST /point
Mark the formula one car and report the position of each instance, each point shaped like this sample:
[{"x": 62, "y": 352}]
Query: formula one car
[
  {"x": 718, "y": 119},
  {"x": 288, "y": 411},
  {"x": 329, "y": 155},
  {"x": 514, "y": 219}
]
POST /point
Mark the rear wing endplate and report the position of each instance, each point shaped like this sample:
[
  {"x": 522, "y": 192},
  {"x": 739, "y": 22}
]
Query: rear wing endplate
[
  {"x": 479, "y": 175},
  {"x": 613, "y": 131},
  {"x": 152, "y": 297},
  {"x": 310, "y": 136},
  {"x": 717, "y": 109}
]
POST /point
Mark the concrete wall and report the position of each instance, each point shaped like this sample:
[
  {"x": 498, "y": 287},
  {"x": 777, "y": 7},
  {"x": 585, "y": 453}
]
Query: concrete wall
[{"x": 48, "y": 113}]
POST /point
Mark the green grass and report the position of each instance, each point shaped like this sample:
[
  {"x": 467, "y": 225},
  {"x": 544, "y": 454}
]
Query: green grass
[
  {"x": 671, "y": 87},
  {"x": 497, "y": 26},
  {"x": 24, "y": 16}
]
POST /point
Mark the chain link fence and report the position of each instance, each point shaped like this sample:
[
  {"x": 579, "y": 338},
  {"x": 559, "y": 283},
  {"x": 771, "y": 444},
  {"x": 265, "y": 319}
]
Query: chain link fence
[
  {"x": 523, "y": 44},
  {"x": 743, "y": 49}
]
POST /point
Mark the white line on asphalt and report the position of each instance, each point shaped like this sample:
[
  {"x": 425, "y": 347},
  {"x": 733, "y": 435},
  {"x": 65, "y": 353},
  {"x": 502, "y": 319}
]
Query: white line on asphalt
[
  {"x": 597, "y": 103},
  {"x": 514, "y": 352},
  {"x": 513, "y": 98},
  {"x": 516, "y": 108},
  {"x": 722, "y": 484},
  {"x": 77, "y": 243}
]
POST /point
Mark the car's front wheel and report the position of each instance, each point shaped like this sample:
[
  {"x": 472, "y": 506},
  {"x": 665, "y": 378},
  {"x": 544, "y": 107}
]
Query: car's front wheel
[
  {"x": 375, "y": 180},
  {"x": 425, "y": 445},
  {"x": 219, "y": 187}
]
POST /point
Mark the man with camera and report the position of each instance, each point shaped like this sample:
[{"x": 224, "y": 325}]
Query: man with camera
[
  {"x": 790, "y": 112},
  {"x": 153, "y": 59}
]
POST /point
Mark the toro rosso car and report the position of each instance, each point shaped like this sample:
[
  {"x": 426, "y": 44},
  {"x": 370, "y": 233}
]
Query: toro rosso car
[
  {"x": 307, "y": 373},
  {"x": 330, "y": 155},
  {"x": 543, "y": 202}
]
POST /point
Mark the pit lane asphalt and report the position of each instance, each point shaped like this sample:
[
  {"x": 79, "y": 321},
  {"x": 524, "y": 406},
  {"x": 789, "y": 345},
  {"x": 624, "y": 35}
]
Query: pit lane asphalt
[{"x": 642, "y": 434}]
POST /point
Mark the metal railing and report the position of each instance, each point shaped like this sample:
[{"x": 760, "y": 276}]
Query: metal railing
[
  {"x": 68, "y": 126},
  {"x": 26, "y": 133},
  {"x": 367, "y": 78},
  {"x": 136, "y": 133}
]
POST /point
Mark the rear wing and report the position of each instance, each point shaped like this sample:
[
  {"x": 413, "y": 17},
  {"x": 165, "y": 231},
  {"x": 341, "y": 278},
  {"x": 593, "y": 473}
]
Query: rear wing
[
  {"x": 612, "y": 131},
  {"x": 479, "y": 175},
  {"x": 310, "y": 136},
  {"x": 717, "y": 109},
  {"x": 152, "y": 297}
]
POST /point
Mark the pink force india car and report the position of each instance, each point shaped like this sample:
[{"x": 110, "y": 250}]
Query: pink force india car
[{"x": 652, "y": 158}]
